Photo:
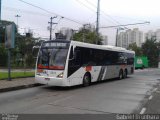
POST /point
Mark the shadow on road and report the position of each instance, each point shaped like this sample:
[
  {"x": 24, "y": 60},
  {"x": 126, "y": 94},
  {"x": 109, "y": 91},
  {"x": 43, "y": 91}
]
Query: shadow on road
[{"x": 57, "y": 88}]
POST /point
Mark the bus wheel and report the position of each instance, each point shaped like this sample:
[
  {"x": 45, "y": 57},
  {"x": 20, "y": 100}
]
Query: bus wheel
[
  {"x": 125, "y": 74},
  {"x": 86, "y": 80},
  {"x": 120, "y": 74}
]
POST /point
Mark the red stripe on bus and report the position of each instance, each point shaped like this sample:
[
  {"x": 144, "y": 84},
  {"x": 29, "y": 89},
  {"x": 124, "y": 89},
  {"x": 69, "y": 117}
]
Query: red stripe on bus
[
  {"x": 40, "y": 66},
  {"x": 88, "y": 68},
  {"x": 56, "y": 67}
]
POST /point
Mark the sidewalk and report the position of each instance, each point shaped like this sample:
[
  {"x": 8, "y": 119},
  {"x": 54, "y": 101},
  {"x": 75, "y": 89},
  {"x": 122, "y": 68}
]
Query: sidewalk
[{"x": 15, "y": 84}]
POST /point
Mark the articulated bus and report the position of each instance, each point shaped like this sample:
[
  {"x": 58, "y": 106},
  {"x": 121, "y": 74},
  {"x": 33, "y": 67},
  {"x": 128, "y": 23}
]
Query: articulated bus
[{"x": 70, "y": 63}]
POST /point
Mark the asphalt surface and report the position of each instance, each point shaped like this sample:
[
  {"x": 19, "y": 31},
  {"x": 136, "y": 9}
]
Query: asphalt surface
[{"x": 129, "y": 95}]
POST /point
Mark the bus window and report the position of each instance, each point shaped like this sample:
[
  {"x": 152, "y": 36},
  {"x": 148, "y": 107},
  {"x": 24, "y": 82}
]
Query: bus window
[{"x": 78, "y": 57}]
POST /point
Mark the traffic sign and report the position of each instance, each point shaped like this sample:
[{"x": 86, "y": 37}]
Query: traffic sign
[{"x": 10, "y": 36}]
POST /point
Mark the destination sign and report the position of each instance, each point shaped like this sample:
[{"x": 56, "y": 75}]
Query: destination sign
[{"x": 55, "y": 44}]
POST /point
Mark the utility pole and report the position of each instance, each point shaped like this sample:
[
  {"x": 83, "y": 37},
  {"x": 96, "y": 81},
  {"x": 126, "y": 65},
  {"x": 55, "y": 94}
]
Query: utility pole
[
  {"x": 51, "y": 25},
  {"x": 117, "y": 37},
  {"x": 17, "y": 16},
  {"x": 117, "y": 32},
  {"x": 97, "y": 23}
]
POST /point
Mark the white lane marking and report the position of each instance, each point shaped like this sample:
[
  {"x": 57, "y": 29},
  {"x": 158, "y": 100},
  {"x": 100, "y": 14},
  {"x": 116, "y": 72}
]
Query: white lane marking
[
  {"x": 155, "y": 89},
  {"x": 150, "y": 97},
  {"x": 143, "y": 111}
]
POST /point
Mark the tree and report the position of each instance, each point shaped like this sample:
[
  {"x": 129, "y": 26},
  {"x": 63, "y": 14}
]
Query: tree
[
  {"x": 151, "y": 49},
  {"x": 24, "y": 45},
  {"x": 3, "y": 56},
  {"x": 134, "y": 47},
  {"x": 88, "y": 35},
  {"x": 21, "y": 55}
]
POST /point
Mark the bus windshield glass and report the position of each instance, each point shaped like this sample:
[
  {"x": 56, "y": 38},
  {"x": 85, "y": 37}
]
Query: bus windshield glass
[{"x": 53, "y": 56}]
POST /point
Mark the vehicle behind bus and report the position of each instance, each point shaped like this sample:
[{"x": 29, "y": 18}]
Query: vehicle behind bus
[{"x": 141, "y": 62}]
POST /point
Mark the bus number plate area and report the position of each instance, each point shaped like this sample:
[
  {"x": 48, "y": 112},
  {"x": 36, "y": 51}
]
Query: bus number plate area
[{"x": 47, "y": 79}]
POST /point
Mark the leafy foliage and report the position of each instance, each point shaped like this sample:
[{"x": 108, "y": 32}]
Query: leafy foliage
[
  {"x": 21, "y": 55},
  {"x": 3, "y": 56},
  {"x": 88, "y": 35},
  {"x": 151, "y": 49},
  {"x": 134, "y": 47}
]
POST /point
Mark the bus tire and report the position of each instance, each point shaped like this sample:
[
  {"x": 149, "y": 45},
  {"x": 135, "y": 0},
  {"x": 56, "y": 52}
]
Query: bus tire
[
  {"x": 86, "y": 80},
  {"x": 125, "y": 74},
  {"x": 120, "y": 74}
]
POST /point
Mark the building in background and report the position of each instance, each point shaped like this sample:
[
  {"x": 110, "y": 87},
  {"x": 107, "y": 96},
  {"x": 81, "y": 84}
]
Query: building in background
[
  {"x": 130, "y": 36},
  {"x": 153, "y": 34}
]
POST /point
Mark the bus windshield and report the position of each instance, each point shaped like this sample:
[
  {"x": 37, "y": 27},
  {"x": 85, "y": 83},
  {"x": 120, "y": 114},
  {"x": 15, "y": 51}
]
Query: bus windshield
[{"x": 52, "y": 57}]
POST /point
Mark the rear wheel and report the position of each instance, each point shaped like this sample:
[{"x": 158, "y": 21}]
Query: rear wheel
[{"x": 86, "y": 80}]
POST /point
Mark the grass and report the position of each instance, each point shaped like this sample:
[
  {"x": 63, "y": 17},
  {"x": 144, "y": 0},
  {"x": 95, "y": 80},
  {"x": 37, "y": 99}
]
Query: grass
[{"x": 4, "y": 75}]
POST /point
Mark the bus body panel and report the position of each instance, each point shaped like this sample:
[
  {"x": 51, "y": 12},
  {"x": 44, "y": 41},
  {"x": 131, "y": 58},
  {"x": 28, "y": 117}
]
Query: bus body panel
[
  {"x": 77, "y": 77},
  {"x": 49, "y": 80}
]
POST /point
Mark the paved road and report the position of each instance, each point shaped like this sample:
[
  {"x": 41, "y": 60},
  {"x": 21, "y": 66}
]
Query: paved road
[{"x": 113, "y": 96}]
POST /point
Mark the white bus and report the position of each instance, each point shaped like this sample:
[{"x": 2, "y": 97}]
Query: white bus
[{"x": 69, "y": 63}]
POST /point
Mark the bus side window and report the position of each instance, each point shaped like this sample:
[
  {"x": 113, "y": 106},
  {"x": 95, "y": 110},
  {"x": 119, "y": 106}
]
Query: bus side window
[
  {"x": 78, "y": 57},
  {"x": 71, "y": 54}
]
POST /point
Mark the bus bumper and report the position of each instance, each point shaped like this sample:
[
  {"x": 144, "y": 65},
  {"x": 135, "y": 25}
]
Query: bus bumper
[{"x": 51, "y": 81}]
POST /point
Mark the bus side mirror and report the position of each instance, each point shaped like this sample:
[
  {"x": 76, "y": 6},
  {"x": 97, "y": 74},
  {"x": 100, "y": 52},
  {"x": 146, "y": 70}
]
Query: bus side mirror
[{"x": 35, "y": 50}]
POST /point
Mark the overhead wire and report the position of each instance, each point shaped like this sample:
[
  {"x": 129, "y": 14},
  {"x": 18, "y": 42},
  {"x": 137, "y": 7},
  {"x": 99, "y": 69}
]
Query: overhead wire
[
  {"x": 86, "y": 6},
  {"x": 57, "y": 23},
  {"x": 103, "y": 12},
  {"x": 25, "y": 11},
  {"x": 45, "y": 10},
  {"x": 95, "y": 10}
]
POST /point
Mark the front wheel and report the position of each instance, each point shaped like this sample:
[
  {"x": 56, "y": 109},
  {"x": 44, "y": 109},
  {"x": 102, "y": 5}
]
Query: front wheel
[{"x": 86, "y": 80}]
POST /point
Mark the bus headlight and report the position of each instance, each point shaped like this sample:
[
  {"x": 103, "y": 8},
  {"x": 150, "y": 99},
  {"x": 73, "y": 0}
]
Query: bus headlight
[{"x": 60, "y": 75}]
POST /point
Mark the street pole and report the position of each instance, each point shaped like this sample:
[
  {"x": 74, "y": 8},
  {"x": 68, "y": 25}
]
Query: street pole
[
  {"x": 9, "y": 64},
  {"x": 17, "y": 16},
  {"x": 0, "y": 9},
  {"x": 97, "y": 23},
  {"x": 83, "y": 33},
  {"x": 116, "y": 37},
  {"x": 51, "y": 25}
]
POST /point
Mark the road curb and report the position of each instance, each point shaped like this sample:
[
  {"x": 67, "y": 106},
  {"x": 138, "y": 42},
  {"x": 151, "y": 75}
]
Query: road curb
[
  {"x": 17, "y": 77},
  {"x": 19, "y": 87}
]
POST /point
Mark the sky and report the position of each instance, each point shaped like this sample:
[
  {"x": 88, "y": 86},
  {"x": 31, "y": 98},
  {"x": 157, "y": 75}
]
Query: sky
[{"x": 79, "y": 12}]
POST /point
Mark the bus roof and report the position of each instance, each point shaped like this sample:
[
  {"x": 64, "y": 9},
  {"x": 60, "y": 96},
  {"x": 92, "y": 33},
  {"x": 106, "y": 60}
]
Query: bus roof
[
  {"x": 102, "y": 47},
  {"x": 94, "y": 46}
]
